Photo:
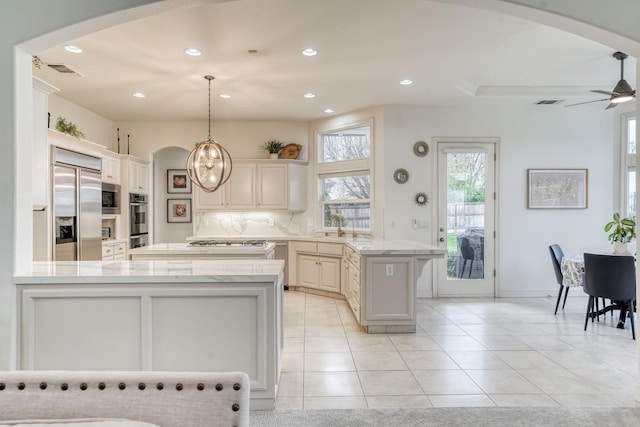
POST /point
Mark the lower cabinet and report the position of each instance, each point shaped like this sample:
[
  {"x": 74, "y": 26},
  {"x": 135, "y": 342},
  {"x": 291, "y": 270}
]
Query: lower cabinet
[
  {"x": 114, "y": 251},
  {"x": 318, "y": 272},
  {"x": 319, "y": 265}
]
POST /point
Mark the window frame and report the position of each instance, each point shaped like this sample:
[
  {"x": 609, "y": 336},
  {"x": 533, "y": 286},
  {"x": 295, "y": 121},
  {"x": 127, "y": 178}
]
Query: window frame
[
  {"x": 628, "y": 162},
  {"x": 340, "y": 169}
]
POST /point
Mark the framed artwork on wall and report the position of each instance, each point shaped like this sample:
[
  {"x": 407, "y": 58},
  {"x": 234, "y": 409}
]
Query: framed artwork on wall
[
  {"x": 178, "y": 181},
  {"x": 558, "y": 188},
  {"x": 179, "y": 210}
]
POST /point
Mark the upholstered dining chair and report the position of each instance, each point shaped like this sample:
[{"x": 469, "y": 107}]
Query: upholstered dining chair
[
  {"x": 556, "y": 259},
  {"x": 612, "y": 277}
]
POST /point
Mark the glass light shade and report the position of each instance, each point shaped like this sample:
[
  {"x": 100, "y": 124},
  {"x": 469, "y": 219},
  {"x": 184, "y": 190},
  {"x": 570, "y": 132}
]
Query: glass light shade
[
  {"x": 209, "y": 165},
  {"x": 621, "y": 98}
]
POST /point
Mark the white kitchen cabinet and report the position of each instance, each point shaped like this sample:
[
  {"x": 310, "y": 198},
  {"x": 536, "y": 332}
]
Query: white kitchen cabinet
[
  {"x": 110, "y": 167},
  {"x": 138, "y": 175},
  {"x": 317, "y": 272},
  {"x": 259, "y": 185},
  {"x": 236, "y": 194},
  {"x": 352, "y": 280},
  {"x": 114, "y": 251},
  {"x": 272, "y": 179},
  {"x": 319, "y": 265}
]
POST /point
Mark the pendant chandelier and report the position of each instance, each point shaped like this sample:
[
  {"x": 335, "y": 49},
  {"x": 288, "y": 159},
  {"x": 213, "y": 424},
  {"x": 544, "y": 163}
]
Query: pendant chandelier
[{"x": 209, "y": 163}]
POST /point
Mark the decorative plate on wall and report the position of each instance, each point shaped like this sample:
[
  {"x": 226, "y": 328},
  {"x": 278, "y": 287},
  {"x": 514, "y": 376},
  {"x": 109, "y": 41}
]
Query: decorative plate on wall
[
  {"x": 421, "y": 199},
  {"x": 401, "y": 176},
  {"x": 420, "y": 149}
]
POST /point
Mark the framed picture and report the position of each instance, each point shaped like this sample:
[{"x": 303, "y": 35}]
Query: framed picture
[
  {"x": 179, "y": 210},
  {"x": 558, "y": 188},
  {"x": 178, "y": 181}
]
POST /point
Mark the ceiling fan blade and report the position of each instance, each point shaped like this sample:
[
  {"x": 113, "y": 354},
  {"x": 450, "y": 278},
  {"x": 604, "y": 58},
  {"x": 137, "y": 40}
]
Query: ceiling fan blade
[
  {"x": 588, "y": 102},
  {"x": 604, "y": 92},
  {"x": 611, "y": 105}
]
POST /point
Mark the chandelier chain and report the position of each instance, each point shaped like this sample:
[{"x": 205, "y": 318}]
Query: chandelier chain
[{"x": 209, "y": 137}]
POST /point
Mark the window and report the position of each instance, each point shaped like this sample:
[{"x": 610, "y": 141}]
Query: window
[
  {"x": 629, "y": 164},
  {"x": 344, "y": 178}
]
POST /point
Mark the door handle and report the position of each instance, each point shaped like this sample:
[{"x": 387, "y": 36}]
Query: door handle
[{"x": 442, "y": 239}]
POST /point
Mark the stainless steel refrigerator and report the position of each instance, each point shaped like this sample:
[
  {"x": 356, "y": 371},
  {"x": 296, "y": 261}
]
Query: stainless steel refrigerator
[{"x": 77, "y": 206}]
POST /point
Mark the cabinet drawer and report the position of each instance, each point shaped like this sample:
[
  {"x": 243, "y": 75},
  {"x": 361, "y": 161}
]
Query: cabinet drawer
[
  {"x": 331, "y": 249},
  {"x": 119, "y": 257},
  {"x": 306, "y": 247},
  {"x": 107, "y": 250},
  {"x": 354, "y": 260},
  {"x": 119, "y": 248}
]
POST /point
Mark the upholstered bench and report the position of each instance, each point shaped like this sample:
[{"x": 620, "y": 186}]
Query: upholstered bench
[{"x": 123, "y": 399}]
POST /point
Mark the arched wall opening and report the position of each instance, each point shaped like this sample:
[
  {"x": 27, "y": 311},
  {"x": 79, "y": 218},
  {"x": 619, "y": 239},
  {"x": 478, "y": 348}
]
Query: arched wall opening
[{"x": 17, "y": 121}]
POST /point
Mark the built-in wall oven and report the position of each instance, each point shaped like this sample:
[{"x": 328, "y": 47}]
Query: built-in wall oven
[{"x": 138, "y": 220}]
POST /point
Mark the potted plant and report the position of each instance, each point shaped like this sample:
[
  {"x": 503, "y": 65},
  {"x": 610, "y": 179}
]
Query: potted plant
[
  {"x": 273, "y": 147},
  {"x": 623, "y": 230},
  {"x": 64, "y": 126}
]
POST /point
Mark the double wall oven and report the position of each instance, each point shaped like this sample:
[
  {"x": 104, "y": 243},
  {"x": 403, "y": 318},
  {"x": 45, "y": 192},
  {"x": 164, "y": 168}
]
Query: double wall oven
[{"x": 138, "y": 220}]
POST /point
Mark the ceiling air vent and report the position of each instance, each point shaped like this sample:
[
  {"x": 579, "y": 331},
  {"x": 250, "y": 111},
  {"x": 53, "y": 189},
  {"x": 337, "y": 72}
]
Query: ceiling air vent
[
  {"x": 61, "y": 68},
  {"x": 548, "y": 102}
]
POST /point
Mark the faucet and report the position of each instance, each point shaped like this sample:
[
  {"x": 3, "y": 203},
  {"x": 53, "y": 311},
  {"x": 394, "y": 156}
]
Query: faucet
[{"x": 335, "y": 217}]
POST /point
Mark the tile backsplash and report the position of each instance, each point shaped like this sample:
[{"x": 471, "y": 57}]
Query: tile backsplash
[{"x": 271, "y": 223}]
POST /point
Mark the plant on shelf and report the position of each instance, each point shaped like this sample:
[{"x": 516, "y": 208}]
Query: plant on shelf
[
  {"x": 62, "y": 125},
  {"x": 273, "y": 147},
  {"x": 36, "y": 61},
  {"x": 623, "y": 230}
]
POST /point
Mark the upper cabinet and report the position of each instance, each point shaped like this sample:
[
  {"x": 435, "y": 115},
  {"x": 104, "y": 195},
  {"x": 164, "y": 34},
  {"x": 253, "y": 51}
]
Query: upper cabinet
[
  {"x": 238, "y": 193},
  {"x": 259, "y": 185},
  {"x": 110, "y": 167},
  {"x": 138, "y": 175}
]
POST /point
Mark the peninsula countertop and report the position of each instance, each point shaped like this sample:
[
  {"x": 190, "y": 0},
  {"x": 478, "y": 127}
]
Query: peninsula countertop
[
  {"x": 363, "y": 245},
  {"x": 162, "y": 271}
]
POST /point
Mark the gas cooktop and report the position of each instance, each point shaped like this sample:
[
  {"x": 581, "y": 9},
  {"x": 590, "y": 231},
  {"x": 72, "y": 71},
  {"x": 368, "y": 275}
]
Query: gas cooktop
[{"x": 236, "y": 243}]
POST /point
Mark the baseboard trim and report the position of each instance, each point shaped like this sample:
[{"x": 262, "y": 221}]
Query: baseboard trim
[{"x": 532, "y": 293}]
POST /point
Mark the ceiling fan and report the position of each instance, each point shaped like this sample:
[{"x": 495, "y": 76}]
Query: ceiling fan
[{"x": 621, "y": 93}]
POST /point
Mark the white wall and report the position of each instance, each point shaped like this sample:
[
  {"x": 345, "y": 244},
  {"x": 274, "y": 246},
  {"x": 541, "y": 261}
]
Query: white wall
[
  {"x": 96, "y": 128},
  {"x": 164, "y": 159},
  {"x": 530, "y": 137},
  {"x": 241, "y": 139}
]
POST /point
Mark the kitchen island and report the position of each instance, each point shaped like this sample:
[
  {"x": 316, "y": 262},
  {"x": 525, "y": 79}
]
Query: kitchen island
[
  {"x": 154, "y": 316},
  {"x": 378, "y": 277}
]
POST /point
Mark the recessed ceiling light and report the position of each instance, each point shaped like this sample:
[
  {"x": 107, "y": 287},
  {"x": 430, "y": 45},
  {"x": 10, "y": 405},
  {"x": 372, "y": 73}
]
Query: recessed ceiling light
[
  {"x": 406, "y": 82},
  {"x": 328, "y": 111},
  {"x": 309, "y": 95},
  {"x": 225, "y": 95},
  {"x": 192, "y": 51},
  {"x": 138, "y": 94},
  {"x": 310, "y": 52},
  {"x": 73, "y": 49}
]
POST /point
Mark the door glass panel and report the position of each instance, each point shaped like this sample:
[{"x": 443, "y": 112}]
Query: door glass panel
[{"x": 466, "y": 176}]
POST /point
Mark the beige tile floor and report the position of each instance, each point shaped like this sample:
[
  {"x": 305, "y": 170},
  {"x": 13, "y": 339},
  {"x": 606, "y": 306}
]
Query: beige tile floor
[{"x": 466, "y": 352}]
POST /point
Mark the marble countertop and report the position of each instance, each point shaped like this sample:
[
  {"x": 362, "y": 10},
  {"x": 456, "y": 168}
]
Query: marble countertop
[
  {"x": 182, "y": 248},
  {"x": 138, "y": 272},
  {"x": 363, "y": 245}
]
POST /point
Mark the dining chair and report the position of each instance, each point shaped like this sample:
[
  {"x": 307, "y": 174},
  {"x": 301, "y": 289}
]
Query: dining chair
[
  {"x": 467, "y": 254},
  {"x": 612, "y": 277},
  {"x": 556, "y": 259}
]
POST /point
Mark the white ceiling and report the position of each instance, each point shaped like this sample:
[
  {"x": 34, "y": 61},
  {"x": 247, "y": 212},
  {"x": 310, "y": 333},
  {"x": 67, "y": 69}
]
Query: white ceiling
[{"x": 455, "y": 55}]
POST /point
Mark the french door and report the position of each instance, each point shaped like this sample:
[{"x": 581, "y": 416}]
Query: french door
[{"x": 466, "y": 218}]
